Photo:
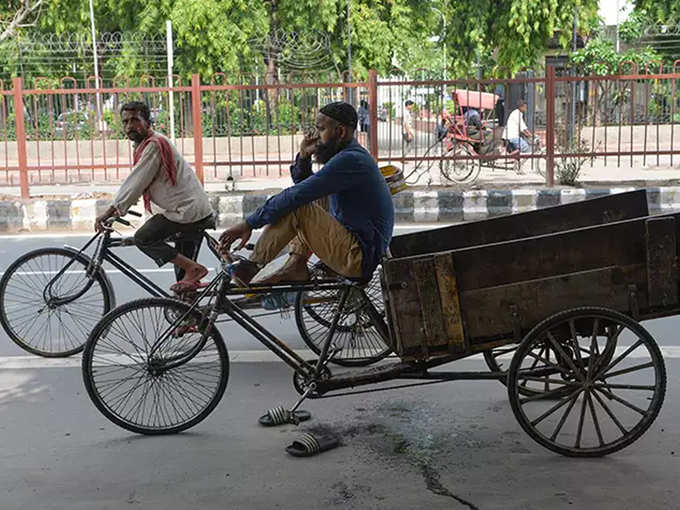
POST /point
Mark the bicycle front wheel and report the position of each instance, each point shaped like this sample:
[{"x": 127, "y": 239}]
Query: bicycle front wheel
[
  {"x": 128, "y": 367},
  {"x": 56, "y": 321}
]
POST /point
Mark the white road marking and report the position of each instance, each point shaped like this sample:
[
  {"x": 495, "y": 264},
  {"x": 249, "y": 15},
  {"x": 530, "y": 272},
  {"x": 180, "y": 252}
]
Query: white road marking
[{"x": 254, "y": 356}]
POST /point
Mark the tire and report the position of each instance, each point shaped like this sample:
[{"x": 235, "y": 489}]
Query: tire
[
  {"x": 460, "y": 172},
  {"x": 360, "y": 342},
  {"x": 61, "y": 330},
  {"x": 593, "y": 365},
  {"x": 117, "y": 369}
]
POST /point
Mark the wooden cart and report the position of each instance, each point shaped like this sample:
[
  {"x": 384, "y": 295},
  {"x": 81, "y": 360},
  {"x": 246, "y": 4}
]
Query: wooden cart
[{"x": 569, "y": 284}]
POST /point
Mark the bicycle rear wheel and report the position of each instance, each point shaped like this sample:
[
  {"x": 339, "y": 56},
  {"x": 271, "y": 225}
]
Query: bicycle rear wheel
[
  {"x": 130, "y": 382},
  {"x": 54, "y": 322},
  {"x": 360, "y": 342},
  {"x": 460, "y": 171}
]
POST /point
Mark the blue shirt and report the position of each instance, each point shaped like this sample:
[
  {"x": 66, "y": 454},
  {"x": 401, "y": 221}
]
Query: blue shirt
[{"x": 359, "y": 199}]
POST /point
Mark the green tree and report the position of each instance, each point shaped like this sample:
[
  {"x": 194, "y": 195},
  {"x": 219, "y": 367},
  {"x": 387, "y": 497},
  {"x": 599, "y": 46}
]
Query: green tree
[
  {"x": 600, "y": 57},
  {"x": 18, "y": 14},
  {"x": 659, "y": 10}
]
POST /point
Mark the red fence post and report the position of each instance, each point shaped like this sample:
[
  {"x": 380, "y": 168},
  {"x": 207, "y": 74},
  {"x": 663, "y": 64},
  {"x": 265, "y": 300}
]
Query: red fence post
[
  {"x": 198, "y": 125},
  {"x": 550, "y": 125},
  {"x": 20, "y": 136},
  {"x": 373, "y": 113}
]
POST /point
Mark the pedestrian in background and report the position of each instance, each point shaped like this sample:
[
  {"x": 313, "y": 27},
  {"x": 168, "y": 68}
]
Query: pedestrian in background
[{"x": 407, "y": 125}]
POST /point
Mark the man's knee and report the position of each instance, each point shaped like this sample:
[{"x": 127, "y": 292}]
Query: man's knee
[{"x": 145, "y": 236}]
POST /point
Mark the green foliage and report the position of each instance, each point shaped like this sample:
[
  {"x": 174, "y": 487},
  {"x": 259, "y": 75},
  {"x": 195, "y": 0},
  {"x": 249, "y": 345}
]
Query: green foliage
[
  {"x": 216, "y": 35},
  {"x": 659, "y": 10},
  {"x": 600, "y": 57},
  {"x": 513, "y": 32},
  {"x": 632, "y": 29}
]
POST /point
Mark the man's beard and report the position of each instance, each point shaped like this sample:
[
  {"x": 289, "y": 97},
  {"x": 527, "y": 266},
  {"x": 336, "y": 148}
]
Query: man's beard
[
  {"x": 325, "y": 151},
  {"x": 137, "y": 136}
]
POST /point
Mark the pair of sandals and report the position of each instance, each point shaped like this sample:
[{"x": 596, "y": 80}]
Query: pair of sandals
[{"x": 307, "y": 444}]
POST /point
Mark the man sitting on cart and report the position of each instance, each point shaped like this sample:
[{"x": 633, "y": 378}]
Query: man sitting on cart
[
  {"x": 351, "y": 239},
  {"x": 516, "y": 130}
]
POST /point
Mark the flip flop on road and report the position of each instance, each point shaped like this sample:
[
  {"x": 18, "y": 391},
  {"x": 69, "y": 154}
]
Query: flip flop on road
[
  {"x": 309, "y": 444},
  {"x": 280, "y": 416},
  {"x": 187, "y": 286}
]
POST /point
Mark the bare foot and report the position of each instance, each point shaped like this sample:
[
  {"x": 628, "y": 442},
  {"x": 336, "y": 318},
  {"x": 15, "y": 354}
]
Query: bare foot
[{"x": 195, "y": 273}]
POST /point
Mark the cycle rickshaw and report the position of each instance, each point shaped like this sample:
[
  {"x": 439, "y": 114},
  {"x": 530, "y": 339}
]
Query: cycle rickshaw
[
  {"x": 586, "y": 379},
  {"x": 467, "y": 149}
]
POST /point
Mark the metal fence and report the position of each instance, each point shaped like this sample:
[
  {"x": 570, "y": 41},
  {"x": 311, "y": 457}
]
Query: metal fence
[{"x": 251, "y": 127}]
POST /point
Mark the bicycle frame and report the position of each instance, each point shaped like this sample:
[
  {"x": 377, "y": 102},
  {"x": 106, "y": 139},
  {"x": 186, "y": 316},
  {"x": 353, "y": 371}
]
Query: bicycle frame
[
  {"x": 103, "y": 253},
  {"x": 223, "y": 304}
]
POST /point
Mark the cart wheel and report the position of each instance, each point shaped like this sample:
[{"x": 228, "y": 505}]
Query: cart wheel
[
  {"x": 360, "y": 342},
  {"x": 609, "y": 382},
  {"x": 465, "y": 171},
  {"x": 498, "y": 360}
]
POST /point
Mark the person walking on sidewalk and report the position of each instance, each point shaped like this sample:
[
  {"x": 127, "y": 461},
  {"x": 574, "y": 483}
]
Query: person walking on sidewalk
[
  {"x": 407, "y": 125},
  {"x": 162, "y": 176},
  {"x": 352, "y": 239}
]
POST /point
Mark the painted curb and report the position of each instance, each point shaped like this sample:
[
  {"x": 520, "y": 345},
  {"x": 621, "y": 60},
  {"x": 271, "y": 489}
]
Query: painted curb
[{"x": 444, "y": 206}]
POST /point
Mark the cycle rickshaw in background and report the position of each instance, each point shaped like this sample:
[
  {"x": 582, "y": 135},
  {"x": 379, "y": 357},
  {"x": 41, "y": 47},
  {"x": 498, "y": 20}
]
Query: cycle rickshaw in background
[{"x": 466, "y": 149}]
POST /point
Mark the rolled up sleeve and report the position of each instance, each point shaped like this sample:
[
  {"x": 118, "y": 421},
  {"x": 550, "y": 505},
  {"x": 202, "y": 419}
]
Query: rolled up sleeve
[{"x": 142, "y": 175}]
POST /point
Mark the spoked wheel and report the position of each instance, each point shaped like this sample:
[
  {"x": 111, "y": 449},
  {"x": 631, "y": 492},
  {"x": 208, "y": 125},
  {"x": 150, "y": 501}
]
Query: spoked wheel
[
  {"x": 464, "y": 171},
  {"x": 609, "y": 382},
  {"x": 130, "y": 380},
  {"x": 498, "y": 360},
  {"x": 359, "y": 341},
  {"x": 49, "y": 312}
]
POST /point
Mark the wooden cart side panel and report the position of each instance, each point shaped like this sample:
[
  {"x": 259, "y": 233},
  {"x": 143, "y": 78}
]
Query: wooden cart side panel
[
  {"x": 432, "y": 321},
  {"x": 662, "y": 274},
  {"x": 487, "y": 311},
  {"x": 404, "y": 304},
  {"x": 614, "y": 244},
  {"x": 542, "y": 221},
  {"x": 450, "y": 302}
]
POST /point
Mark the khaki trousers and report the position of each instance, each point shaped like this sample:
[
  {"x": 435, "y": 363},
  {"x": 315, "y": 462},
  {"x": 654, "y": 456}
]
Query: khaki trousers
[{"x": 309, "y": 229}]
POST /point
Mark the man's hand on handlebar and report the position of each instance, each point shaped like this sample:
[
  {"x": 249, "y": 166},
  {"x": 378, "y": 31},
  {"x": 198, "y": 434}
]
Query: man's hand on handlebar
[
  {"x": 103, "y": 222},
  {"x": 241, "y": 231}
]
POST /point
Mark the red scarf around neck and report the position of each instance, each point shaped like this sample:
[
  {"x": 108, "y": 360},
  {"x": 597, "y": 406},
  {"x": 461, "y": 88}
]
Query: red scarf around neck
[{"x": 167, "y": 162}]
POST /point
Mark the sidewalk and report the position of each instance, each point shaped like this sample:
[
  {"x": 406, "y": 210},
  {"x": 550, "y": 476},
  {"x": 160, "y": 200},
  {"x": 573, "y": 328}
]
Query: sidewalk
[{"x": 497, "y": 192}]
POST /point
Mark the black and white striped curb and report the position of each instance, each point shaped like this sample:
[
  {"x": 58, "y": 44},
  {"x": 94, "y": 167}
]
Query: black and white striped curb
[{"x": 410, "y": 206}]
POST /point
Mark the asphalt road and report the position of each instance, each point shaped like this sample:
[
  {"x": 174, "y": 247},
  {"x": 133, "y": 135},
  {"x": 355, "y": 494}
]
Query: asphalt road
[{"x": 447, "y": 446}]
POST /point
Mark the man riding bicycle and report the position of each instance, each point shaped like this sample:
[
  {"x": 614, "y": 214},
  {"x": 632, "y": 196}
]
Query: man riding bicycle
[
  {"x": 162, "y": 176},
  {"x": 516, "y": 131}
]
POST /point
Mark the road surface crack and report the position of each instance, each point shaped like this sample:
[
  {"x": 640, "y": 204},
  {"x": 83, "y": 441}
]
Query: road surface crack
[{"x": 435, "y": 486}]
